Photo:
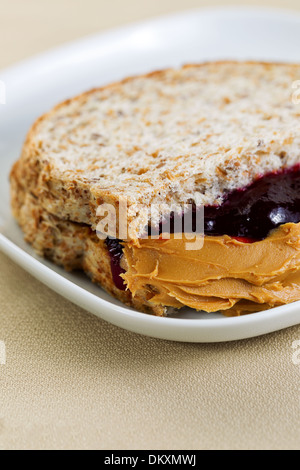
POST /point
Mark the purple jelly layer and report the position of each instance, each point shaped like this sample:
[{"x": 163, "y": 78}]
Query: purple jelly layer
[
  {"x": 252, "y": 212},
  {"x": 248, "y": 214},
  {"x": 115, "y": 250}
]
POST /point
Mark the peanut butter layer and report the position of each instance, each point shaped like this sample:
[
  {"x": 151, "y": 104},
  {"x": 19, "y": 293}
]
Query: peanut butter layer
[{"x": 224, "y": 275}]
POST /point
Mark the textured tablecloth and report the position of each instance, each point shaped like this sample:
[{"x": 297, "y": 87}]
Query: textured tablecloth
[{"x": 72, "y": 381}]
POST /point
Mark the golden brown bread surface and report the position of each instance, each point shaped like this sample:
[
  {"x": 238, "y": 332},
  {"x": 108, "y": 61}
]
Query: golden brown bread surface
[
  {"x": 174, "y": 136},
  {"x": 73, "y": 246},
  {"x": 162, "y": 283},
  {"x": 186, "y": 135}
]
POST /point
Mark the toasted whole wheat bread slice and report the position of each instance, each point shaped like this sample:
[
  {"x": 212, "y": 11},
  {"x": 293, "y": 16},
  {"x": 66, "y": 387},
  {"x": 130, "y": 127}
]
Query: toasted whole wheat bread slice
[
  {"x": 187, "y": 135},
  {"x": 73, "y": 246}
]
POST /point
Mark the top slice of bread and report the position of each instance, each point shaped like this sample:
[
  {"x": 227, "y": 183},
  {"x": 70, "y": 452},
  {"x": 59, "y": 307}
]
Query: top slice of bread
[{"x": 180, "y": 135}]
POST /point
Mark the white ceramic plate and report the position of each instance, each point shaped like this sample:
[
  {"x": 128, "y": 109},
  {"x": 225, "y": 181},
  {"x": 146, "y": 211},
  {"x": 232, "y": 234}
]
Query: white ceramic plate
[{"x": 36, "y": 85}]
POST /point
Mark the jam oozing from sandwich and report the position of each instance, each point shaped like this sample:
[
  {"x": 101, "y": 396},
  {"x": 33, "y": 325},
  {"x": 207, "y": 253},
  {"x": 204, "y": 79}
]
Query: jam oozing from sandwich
[
  {"x": 249, "y": 214},
  {"x": 115, "y": 251}
]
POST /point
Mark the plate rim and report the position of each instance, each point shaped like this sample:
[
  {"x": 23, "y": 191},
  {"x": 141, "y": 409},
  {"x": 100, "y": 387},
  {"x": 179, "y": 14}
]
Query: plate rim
[
  {"x": 280, "y": 13},
  {"x": 224, "y": 329}
]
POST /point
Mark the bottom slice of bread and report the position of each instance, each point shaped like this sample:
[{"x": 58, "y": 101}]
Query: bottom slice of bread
[
  {"x": 77, "y": 247},
  {"x": 73, "y": 246}
]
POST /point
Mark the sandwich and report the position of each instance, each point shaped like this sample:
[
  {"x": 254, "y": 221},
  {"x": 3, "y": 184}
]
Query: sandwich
[{"x": 180, "y": 188}]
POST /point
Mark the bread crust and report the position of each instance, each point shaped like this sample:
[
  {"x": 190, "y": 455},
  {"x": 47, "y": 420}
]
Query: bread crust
[
  {"x": 224, "y": 153},
  {"x": 171, "y": 136},
  {"x": 73, "y": 246}
]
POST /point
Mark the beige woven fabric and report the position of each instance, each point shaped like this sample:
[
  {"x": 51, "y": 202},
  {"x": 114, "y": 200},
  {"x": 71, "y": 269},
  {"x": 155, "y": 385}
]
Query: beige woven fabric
[{"x": 72, "y": 381}]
